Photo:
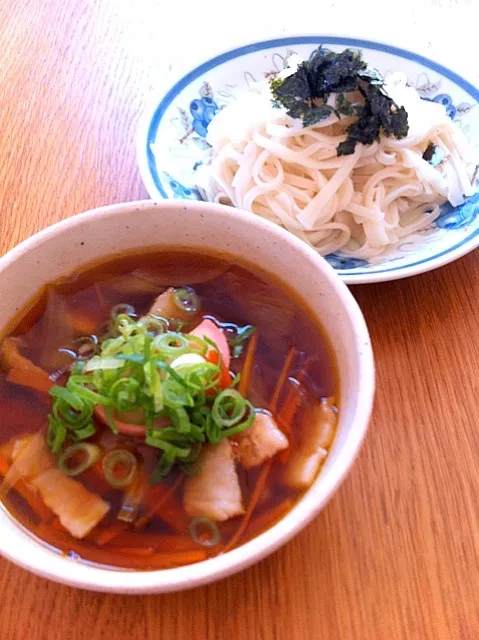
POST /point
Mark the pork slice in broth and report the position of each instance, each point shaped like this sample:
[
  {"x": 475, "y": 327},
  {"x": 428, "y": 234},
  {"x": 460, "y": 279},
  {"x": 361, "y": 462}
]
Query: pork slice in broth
[
  {"x": 261, "y": 441},
  {"x": 316, "y": 438},
  {"x": 215, "y": 491},
  {"x": 78, "y": 509}
]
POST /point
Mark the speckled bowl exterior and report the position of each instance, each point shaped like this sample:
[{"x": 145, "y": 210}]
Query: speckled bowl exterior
[{"x": 65, "y": 247}]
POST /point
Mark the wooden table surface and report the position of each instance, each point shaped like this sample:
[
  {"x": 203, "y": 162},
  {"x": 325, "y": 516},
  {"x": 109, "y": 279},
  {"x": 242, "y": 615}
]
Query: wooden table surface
[{"x": 395, "y": 555}]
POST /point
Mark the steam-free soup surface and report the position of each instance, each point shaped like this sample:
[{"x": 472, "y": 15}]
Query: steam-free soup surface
[{"x": 274, "y": 368}]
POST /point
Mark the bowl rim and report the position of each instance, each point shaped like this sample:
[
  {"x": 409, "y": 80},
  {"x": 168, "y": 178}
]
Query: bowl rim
[
  {"x": 159, "y": 102},
  {"x": 169, "y": 580}
]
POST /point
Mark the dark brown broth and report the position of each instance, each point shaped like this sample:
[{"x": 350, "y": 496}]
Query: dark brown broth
[{"x": 232, "y": 292}]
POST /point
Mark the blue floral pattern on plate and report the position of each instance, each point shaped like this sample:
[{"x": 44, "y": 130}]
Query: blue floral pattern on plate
[
  {"x": 203, "y": 110},
  {"x": 337, "y": 261},
  {"x": 457, "y": 217},
  {"x": 446, "y": 100},
  {"x": 182, "y": 192}
]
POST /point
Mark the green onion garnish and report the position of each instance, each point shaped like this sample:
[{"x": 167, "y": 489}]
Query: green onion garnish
[
  {"x": 204, "y": 531},
  {"x": 164, "y": 379},
  {"x": 229, "y": 408},
  {"x": 170, "y": 344},
  {"x": 78, "y": 458},
  {"x": 119, "y": 467},
  {"x": 186, "y": 299},
  {"x": 122, "y": 309}
]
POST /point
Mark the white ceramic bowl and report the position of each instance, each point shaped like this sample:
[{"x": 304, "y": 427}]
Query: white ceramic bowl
[{"x": 66, "y": 246}]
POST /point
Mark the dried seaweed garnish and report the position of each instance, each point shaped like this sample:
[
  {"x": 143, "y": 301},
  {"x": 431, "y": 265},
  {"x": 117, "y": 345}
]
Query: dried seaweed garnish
[
  {"x": 306, "y": 95},
  {"x": 434, "y": 155}
]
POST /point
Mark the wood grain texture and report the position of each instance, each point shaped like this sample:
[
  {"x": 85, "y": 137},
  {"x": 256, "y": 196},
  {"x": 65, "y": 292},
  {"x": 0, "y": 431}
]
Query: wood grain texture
[{"x": 395, "y": 555}]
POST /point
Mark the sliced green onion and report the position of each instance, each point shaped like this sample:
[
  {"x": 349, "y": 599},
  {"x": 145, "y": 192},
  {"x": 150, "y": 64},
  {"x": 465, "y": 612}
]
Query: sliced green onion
[
  {"x": 106, "y": 364},
  {"x": 83, "y": 433},
  {"x": 126, "y": 326},
  {"x": 176, "y": 395},
  {"x": 124, "y": 394},
  {"x": 120, "y": 467},
  {"x": 204, "y": 531},
  {"x": 168, "y": 434},
  {"x": 112, "y": 346},
  {"x": 78, "y": 458},
  {"x": 69, "y": 415},
  {"x": 122, "y": 309},
  {"x": 212, "y": 344},
  {"x": 77, "y": 368},
  {"x": 147, "y": 340},
  {"x": 56, "y": 434},
  {"x": 198, "y": 345},
  {"x": 213, "y": 430},
  {"x": 241, "y": 426},
  {"x": 170, "y": 344},
  {"x": 144, "y": 372},
  {"x": 67, "y": 396},
  {"x": 110, "y": 420},
  {"x": 236, "y": 380},
  {"x": 194, "y": 454},
  {"x": 203, "y": 377},
  {"x": 186, "y": 299},
  {"x": 237, "y": 351},
  {"x": 163, "y": 467},
  {"x": 241, "y": 335},
  {"x": 131, "y": 357},
  {"x": 154, "y": 324},
  {"x": 187, "y": 362},
  {"x": 229, "y": 408},
  {"x": 166, "y": 367},
  {"x": 75, "y": 384},
  {"x": 180, "y": 419},
  {"x": 172, "y": 449},
  {"x": 155, "y": 387}
]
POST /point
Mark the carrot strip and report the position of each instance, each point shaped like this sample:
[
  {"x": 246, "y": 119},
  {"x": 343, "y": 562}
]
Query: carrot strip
[
  {"x": 174, "y": 559},
  {"x": 83, "y": 324},
  {"x": 164, "y": 498},
  {"x": 173, "y": 514},
  {"x": 286, "y": 414},
  {"x": 32, "y": 377},
  {"x": 155, "y": 541},
  {"x": 21, "y": 369},
  {"x": 271, "y": 517},
  {"x": 56, "y": 524},
  {"x": 248, "y": 364},
  {"x": 136, "y": 551},
  {"x": 4, "y": 466},
  {"x": 285, "y": 418},
  {"x": 106, "y": 534},
  {"x": 258, "y": 490},
  {"x": 115, "y": 558},
  {"x": 6, "y": 450},
  {"x": 281, "y": 380}
]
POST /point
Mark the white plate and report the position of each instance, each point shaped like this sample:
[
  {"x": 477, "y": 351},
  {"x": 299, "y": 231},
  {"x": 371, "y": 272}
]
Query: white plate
[{"x": 171, "y": 139}]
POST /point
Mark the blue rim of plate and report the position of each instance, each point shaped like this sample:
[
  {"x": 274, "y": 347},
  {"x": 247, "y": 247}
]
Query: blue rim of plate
[{"x": 296, "y": 40}]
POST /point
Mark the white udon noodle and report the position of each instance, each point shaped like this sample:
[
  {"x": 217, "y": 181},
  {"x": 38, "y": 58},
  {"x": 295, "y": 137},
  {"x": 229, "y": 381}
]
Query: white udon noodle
[{"x": 362, "y": 205}]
